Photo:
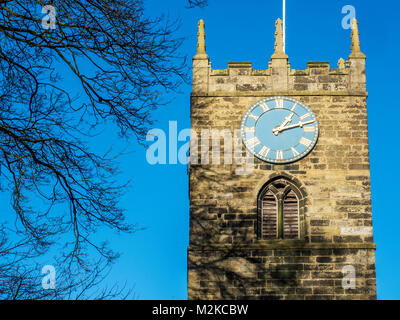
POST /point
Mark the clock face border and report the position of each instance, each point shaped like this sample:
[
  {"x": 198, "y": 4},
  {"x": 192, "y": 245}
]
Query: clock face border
[{"x": 276, "y": 161}]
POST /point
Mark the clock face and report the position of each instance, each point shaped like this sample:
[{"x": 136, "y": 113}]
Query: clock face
[{"x": 279, "y": 130}]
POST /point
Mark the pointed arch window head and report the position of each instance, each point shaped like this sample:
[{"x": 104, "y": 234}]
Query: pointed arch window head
[{"x": 279, "y": 211}]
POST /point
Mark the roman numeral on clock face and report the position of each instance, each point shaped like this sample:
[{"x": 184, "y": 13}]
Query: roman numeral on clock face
[
  {"x": 253, "y": 116},
  {"x": 253, "y": 142},
  {"x": 295, "y": 153},
  {"x": 264, "y": 106},
  {"x": 264, "y": 151},
  {"x": 294, "y": 107},
  {"x": 304, "y": 141},
  {"x": 279, "y": 103},
  {"x": 309, "y": 129},
  {"x": 249, "y": 129},
  {"x": 279, "y": 155}
]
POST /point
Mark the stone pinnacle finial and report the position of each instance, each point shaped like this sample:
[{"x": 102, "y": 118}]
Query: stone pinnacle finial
[
  {"x": 279, "y": 52},
  {"x": 355, "y": 41},
  {"x": 201, "y": 41},
  {"x": 341, "y": 64}
]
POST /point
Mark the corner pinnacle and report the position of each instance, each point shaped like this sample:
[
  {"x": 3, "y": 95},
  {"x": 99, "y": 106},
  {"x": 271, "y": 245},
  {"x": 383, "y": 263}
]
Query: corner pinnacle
[
  {"x": 355, "y": 41},
  {"x": 201, "y": 42},
  {"x": 279, "y": 52}
]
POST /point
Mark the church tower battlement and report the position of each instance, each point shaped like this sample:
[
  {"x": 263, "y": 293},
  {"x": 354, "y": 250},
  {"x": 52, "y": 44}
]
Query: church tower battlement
[
  {"x": 241, "y": 79},
  {"x": 299, "y": 226}
]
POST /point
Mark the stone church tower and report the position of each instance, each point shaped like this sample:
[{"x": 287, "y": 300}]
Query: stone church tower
[{"x": 298, "y": 225}]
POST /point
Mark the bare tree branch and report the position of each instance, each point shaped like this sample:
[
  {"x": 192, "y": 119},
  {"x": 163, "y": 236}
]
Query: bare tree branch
[
  {"x": 121, "y": 62},
  {"x": 197, "y": 3}
]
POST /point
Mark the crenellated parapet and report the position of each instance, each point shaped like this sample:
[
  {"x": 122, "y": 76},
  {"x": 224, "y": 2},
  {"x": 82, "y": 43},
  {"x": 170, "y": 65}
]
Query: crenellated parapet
[{"x": 240, "y": 77}]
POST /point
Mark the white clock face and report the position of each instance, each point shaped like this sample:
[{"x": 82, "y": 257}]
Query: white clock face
[{"x": 279, "y": 130}]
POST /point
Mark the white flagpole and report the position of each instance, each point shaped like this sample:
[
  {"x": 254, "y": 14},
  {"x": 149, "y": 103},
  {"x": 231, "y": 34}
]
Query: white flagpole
[{"x": 284, "y": 25}]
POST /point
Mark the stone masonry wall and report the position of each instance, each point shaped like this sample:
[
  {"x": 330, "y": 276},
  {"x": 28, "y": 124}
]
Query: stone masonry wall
[{"x": 305, "y": 272}]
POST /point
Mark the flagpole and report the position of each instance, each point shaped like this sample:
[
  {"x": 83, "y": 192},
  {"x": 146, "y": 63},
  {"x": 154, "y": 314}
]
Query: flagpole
[{"x": 284, "y": 25}]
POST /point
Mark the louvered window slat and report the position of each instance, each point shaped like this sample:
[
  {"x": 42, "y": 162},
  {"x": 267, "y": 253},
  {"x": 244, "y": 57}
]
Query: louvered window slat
[
  {"x": 269, "y": 216},
  {"x": 290, "y": 216}
]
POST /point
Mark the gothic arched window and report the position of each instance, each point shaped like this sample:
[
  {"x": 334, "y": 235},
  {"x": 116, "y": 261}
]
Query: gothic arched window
[{"x": 279, "y": 211}]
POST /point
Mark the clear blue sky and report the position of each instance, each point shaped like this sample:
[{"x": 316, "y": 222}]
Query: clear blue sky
[{"x": 155, "y": 259}]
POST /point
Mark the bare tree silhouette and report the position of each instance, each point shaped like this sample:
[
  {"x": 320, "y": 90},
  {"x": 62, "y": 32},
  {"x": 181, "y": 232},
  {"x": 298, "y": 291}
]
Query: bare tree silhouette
[
  {"x": 122, "y": 61},
  {"x": 197, "y": 3}
]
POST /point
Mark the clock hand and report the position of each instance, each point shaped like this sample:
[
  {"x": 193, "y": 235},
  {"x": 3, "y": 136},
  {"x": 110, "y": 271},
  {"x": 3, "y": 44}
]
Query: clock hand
[
  {"x": 276, "y": 131},
  {"x": 285, "y": 122}
]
